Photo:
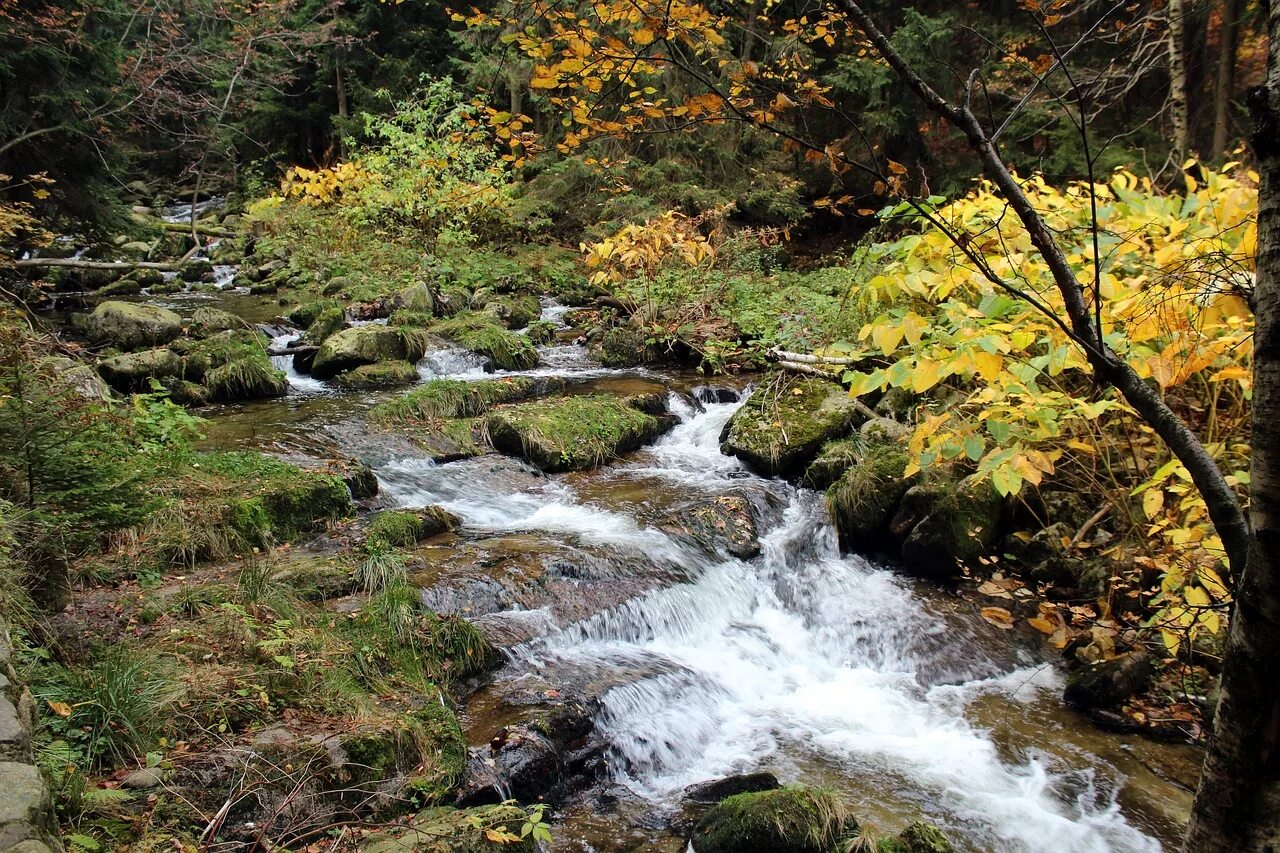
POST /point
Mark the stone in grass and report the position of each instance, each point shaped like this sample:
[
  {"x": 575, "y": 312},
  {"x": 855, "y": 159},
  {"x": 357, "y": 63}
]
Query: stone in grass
[
  {"x": 131, "y": 326},
  {"x": 133, "y": 370},
  {"x": 572, "y": 433},
  {"x": 409, "y": 526},
  {"x": 785, "y": 422},
  {"x": 786, "y": 820},
  {"x": 387, "y": 374},
  {"x": 918, "y": 837}
]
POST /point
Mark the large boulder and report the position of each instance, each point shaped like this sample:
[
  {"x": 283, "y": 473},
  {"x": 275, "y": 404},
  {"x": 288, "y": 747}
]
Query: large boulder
[
  {"x": 787, "y": 820},
  {"x": 863, "y": 500},
  {"x": 961, "y": 524},
  {"x": 131, "y": 371},
  {"x": 208, "y": 321},
  {"x": 360, "y": 345},
  {"x": 387, "y": 374},
  {"x": 131, "y": 326},
  {"x": 572, "y": 433},
  {"x": 785, "y": 422}
]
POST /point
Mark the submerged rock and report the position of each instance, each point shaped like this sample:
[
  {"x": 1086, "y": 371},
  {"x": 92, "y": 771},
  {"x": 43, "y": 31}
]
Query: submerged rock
[
  {"x": 785, "y": 422},
  {"x": 130, "y": 326},
  {"x": 787, "y": 820},
  {"x": 572, "y": 433}
]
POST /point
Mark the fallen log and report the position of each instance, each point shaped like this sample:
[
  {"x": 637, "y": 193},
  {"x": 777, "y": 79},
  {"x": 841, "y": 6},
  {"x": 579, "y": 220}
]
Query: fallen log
[
  {"x": 802, "y": 358},
  {"x": 296, "y": 350},
  {"x": 79, "y": 264}
]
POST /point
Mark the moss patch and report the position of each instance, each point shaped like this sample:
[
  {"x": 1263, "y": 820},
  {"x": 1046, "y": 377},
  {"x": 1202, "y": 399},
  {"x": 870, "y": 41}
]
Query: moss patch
[
  {"x": 571, "y": 433},
  {"x": 407, "y": 527},
  {"x": 454, "y": 398},
  {"x": 862, "y": 501},
  {"x": 787, "y": 820},
  {"x": 387, "y": 374},
  {"x": 478, "y": 332},
  {"x": 785, "y": 422}
]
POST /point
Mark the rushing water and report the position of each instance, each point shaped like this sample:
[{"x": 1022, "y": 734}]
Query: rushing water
[{"x": 821, "y": 667}]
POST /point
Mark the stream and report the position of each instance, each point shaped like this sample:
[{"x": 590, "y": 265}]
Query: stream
[{"x": 822, "y": 668}]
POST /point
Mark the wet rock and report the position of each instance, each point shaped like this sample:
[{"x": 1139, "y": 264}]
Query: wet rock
[
  {"x": 144, "y": 779},
  {"x": 306, "y": 314},
  {"x": 718, "y": 789},
  {"x": 572, "y": 433},
  {"x": 788, "y": 820},
  {"x": 541, "y": 332},
  {"x": 327, "y": 323},
  {"x": 1109, "y": 683},
  {"x": 387, "y": 374},
  {"x": 131, "y": 326},
  {"x": 832, "y": 461},
  {"x": 547, "y": 758},
  {"x": 130, "y": 371},
  {"x": 208, "y": 321},
  {"x": 148, "y": 278},
  {"x": 962, "y": 525},
  {"x": 785, "y": 422},
  {"x": 716, "y": 394},
  {"x": 123, "y": 287},
  {"x": 722, "y": 525},
  {"x": 514, "y": 312},
  {"x": 444, "y": 830},
  {"x": 361, "y": 345}
]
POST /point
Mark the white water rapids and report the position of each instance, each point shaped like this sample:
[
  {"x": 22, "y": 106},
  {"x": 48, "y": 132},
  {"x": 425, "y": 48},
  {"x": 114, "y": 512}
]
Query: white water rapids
[{"x": 799, "y": 657}]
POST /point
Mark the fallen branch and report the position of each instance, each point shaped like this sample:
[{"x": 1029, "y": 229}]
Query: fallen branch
[
  {"x": 802, "y": 358},
  {"x": 1087, "y": 526},
  {"x": 298, "y": 350},
  {"x": 76, "y": 263}
]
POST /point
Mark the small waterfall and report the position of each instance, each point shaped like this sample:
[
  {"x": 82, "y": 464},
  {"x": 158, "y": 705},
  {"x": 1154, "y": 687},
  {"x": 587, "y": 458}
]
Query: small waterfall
[
  {"x": 298, "y": 383},
  {"x": 452, "y": 363}
]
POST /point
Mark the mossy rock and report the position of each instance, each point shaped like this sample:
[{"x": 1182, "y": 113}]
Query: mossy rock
[
  {"x": 832, "y": 461},
  {"x": 164, "y": 286},
  {"x": 541, "y": 332},
  {"x": 149, "y": 278},
  {"x": 785, "y": 422},
  {"x": 424, "y": 749},
  {"x": 918, "y": 837},
  {"x": 410, "y": 526},
  {"x": 786, "y": 820},
  {"x": 196, "y": 271},
  {"x": 963, "y": 524},
  {"x": 360, "y": 345},
  {"x": 130, "y": 326},
  {"x": 863, "y": 500},
  {"x": 505, "y": 350},
  {"x": 327, "y": 323},
  {"x": 572, "y": 433},
  {"x": 269, "y": 499},
  {"x": 317, "y": 578},
  {"x": 245, "y": 379},
  {"x": 220, "y": 348},
  {"x": 304, "y": 315},
  {"x": 455, "y": 398},
  {"x": 185, "y": 393},
  {"x": 515, "y": 312},
  {"x": 133, "y": 370},
  {"x": 123, "y": 287},
  {"x": 623, "y": 346},
  {"x": 387, "y": 374},
  {"x": 445, "y": 830},
  {"x": 206, "y": 321}
]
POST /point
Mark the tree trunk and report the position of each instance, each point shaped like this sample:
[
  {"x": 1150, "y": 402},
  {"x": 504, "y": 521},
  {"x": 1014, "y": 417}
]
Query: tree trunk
[
  {"x": 1228, "y": 31},
  {"x": 1237, "y": 806},
  {"x": 1178, "y": 112}
]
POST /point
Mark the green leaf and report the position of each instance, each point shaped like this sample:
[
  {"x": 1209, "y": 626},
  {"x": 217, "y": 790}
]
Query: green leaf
[
  {"x": 974, "y": 446},
  {"x": 1007, "y": 481}
]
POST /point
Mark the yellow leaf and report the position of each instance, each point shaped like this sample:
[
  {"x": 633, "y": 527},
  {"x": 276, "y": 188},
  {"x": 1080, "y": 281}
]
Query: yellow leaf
[
  {"x": 643, "y": 36},
  {"x": 998, "y": 616},
  {"x": 886, "y": 337},
  {"x": 1195, "y": 596},
  {"x": 926, "y": 374},
  {"x": 988, "y": 364},
  {"x": 62, "y": 709},
  {"x": 1152, "y": 502}
]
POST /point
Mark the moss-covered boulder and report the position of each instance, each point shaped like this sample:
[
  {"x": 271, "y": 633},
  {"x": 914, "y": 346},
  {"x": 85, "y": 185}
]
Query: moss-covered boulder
[
  {"x": 327, "y": 323},
  {"x": 961, "y": 524},
  {"x": 123, "y": 287},
  {"x": 409, "y": 526},
  {"x": 863, "y": 500},
  {"x": 623, "y": 346},
  {"x": 515, "y": 312},
  {"x": 787, "y": 820},
  {"x": 361, "y": 345},
  {"x": 785, "y": 422},
  {"x": 206, "y": 321},
  {"x": 131, "y": 326},
  {"x": 197, "y": 271},
  {"x": 505, "y": 350},
  {"x": 387, "y": 374},
  {"x": 541, "y": 332},
  {"x": 424, "y": 752},
  {"x": 445, "y": 830},
  {"x": 245, "y": 379},
  {"x": 833, "y": 459},
  {"x": 918, "y": 837},
  {"x": 263, "y": 499},
  {"x": 572, "y": 433},
  {"x": 148, "y": 278},
  {"x": 455, "y": 398},
  {"x": 304, "y": 315},
  {"x": 133, "y": 370}
]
